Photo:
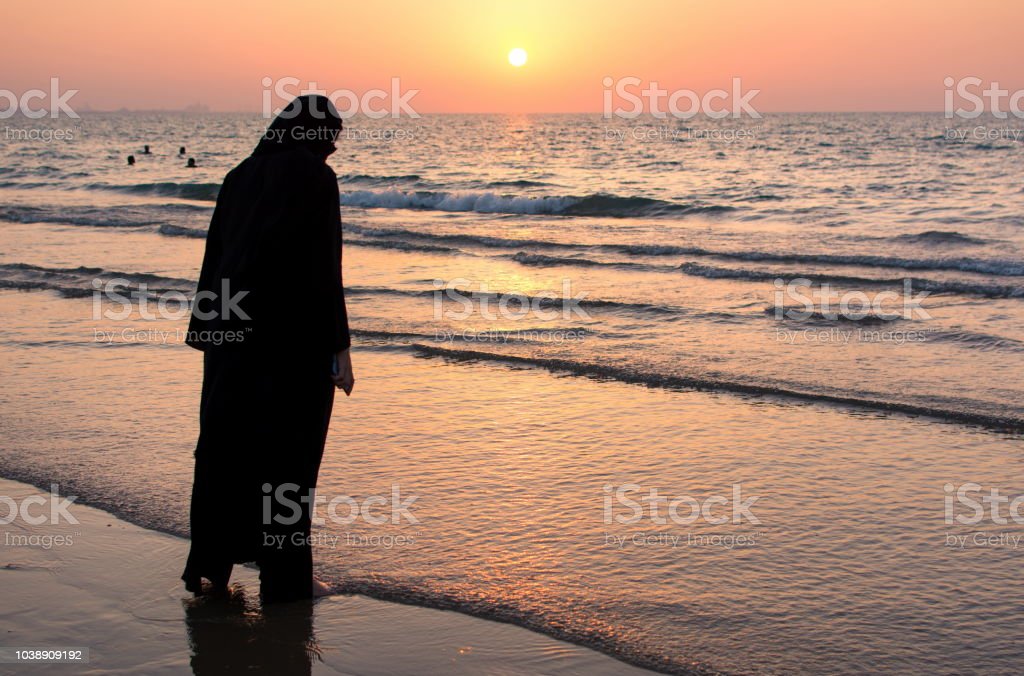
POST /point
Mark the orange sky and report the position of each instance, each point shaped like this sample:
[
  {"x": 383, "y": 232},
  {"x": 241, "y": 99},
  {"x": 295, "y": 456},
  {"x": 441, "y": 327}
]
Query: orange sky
[{"x": 801, "y": 54}]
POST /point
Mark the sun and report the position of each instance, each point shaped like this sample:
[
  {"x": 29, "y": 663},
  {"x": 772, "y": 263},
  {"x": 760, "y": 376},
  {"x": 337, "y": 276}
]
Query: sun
[{"x": 517, "y": 57}]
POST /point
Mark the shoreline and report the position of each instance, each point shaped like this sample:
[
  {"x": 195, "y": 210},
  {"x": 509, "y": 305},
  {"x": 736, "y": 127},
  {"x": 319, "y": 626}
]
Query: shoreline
[{"x": 112, "y": 587}]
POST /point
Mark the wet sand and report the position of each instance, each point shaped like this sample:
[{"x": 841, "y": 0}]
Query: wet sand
[{"x": 112, "y": 587}]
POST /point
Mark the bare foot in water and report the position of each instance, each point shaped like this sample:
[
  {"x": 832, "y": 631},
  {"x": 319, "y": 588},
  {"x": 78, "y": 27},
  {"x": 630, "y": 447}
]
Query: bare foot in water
[
  {"x": 320, "y": 589},
  {"x": 205, "y": 588}
]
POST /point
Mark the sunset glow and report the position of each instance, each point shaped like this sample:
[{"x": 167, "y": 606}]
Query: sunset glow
[
  {"x": 803, "y": 55},
  {"x": 517, "y": 57}
]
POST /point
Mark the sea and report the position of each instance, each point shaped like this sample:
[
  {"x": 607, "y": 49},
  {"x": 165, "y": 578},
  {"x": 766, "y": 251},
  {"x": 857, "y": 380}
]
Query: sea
[{"x": 710, "y": 396}]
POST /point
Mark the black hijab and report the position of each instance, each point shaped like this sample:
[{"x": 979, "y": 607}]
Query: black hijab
[{"x": 311, "y": 121}]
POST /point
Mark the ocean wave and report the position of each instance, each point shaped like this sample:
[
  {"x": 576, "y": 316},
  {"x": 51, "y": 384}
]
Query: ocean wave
[
  {"x": 492, "y": 203},
  {"x": 89, "y": 216},
  {"x": 518, "y": 183},
  {"x": 478, "y": 240},
  {"x": 685, "y": 382},
  {"x": 133, "y": 216},
  {"x": 1006, "y": 268},
  {"x": 181, "y": 231},
  {"x": 612, "y": 205},
  {"x": 543, "y": 302},
  {"x": 939, "y": 237},
  {"x": 1003, "y": 268},
  {"x": 80, "y": 282},
  {"x": 402, "y": 246},
  {"x": 526, "y": 258},
  {"x": 977, "y": 340},
  {"x": 203, "y": 192},
  {"x": 523, "y": 335},
  {"x": 113, "y": 216},
  {"x": 25, "y": 185},
  {"x": 377, "y": 180},
  {"x": 487, "y": 203},
  {"x": 132, "y": 508},
  {"x": 761, "y": 197},
  {"x": 867, "y": 318},
  {"x": 583, "y": 633},
  {"x": 999, "y": 267},
  {"x": 916, "y": 283},
  {"x": 606, "y": 641}
]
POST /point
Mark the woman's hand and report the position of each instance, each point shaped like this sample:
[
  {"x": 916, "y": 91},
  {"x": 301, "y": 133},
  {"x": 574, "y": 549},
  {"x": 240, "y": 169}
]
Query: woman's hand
[{"x": 344, "y": 379}]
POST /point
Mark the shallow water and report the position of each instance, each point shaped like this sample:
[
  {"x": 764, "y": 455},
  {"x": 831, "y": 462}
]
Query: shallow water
[
  {"x": 678, "y": 246},
  {"x": 101, "y": 567},
  {"x": 671, "y": 376}
]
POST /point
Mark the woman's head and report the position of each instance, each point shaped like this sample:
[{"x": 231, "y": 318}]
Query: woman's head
[{"x": 311, "y": 121}]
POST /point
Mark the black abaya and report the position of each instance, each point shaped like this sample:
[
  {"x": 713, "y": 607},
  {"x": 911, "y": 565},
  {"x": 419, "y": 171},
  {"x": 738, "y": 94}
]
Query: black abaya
[{"x": 267, "y": 393}]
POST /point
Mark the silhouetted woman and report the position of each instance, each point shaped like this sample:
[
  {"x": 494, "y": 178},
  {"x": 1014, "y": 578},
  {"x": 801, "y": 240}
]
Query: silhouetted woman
[{"x": 270, "y": 317}]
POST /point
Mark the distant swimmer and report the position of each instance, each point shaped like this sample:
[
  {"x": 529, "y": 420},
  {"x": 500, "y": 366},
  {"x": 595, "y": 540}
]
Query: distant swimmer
[
  {"x": 131, "y": 160},
  {"x": 145, "y": 150},
  {"x": 191, "y": 163},
  {"x": 181, "y": 150}
]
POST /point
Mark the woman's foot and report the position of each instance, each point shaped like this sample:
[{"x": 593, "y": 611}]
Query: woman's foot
[
  {"x": 204, "y": 588},
  {"x": 320, "y": 589}
]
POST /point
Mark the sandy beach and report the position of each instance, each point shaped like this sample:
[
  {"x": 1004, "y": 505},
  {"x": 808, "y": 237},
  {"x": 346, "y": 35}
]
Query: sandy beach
[{"x": 111, "y": 587}]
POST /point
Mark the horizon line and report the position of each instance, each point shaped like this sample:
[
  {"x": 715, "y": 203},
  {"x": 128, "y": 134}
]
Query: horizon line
[{"x": 496, "y": 112}]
